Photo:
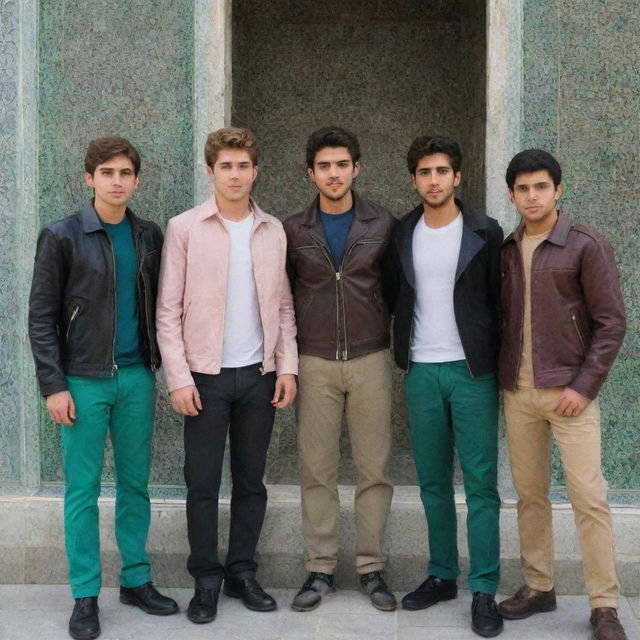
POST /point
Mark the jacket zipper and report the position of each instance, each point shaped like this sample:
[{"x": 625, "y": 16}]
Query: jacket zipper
[
  {"x": 580, "y": 337},
  {"x": 73, "y": 317}
]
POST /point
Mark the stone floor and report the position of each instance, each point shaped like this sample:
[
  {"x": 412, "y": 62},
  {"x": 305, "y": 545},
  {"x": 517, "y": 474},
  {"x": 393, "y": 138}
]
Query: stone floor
[{"x": 34, "y": 612}]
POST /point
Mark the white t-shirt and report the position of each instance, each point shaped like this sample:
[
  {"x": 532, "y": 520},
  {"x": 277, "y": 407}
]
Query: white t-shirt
[
  {"x": 435, "y": 336},
  {"x": 243, "y": 338}
]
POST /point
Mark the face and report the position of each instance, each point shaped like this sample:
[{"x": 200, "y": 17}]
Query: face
[
  {"x": 333, "y": 172},
  {"x": 535, "y": 197},
  {"x": 114, "y": 182},
  {"x": 233, "y": 174},
  {"x": 435, "y": 180}
]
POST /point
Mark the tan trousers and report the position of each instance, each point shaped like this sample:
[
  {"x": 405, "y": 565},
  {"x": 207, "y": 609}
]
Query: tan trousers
[
  {"x": 530, "y": 422},
  {"x": 360, "y": 389}
]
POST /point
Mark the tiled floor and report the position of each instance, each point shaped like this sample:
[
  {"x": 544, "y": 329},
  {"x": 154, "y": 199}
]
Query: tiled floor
[{"x": 34, "y": 612}]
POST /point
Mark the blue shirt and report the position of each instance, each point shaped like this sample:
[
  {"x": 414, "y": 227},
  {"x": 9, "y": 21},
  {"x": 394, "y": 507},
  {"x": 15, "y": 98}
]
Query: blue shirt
[
  {"x": 127, "y": 347},
  {"x": 336, "y": 229}
]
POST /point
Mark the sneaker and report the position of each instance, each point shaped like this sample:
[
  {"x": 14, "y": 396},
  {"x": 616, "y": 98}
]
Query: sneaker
[
  {"x": 316, "y": 586},
  {"x": 372, "y": 584}
]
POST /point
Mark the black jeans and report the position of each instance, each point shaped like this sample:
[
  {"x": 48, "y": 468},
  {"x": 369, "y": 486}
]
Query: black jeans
[{"x": 236, "y": 400}]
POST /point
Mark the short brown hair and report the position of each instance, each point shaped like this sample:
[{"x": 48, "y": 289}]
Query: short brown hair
[
  {"x": 230, "y": 138},
  {"x": 103, "y": 149}
]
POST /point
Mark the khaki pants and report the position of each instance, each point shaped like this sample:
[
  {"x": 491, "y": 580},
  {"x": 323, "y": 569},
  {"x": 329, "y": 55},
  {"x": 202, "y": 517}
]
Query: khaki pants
[
  {"x": 530, "y": 422},
  {"x": 361, "y": 390}
]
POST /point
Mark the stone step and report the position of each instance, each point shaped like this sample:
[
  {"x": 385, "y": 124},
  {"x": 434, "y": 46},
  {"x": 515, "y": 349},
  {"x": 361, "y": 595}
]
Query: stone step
[{"x": 32, "y": 542}]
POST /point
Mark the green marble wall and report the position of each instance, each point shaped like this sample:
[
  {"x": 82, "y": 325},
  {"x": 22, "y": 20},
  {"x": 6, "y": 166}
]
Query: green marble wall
[
  {"x": 126, "y": 68},
  {"x": 581, "y": 95}
]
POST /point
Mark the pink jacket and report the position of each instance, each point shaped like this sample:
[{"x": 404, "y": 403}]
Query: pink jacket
[{"x": 193, "y": 288}]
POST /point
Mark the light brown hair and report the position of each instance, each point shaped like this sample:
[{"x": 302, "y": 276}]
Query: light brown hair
[{"x": 230, "y": 138}]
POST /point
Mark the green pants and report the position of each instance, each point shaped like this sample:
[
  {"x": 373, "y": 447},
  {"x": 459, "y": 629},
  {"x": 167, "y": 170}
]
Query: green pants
[
  {"x": 124, "y": 406},
  {"x": 448, "y": 408}
]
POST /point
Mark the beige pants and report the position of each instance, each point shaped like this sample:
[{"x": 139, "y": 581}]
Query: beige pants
[
  {"x": 361, "y": 390},
  {"x": 530, "y": 422}
]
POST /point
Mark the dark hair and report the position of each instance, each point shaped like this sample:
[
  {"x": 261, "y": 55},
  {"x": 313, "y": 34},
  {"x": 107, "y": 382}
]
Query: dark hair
[
  {"x": 332, "y": 137},
  {"x": 430, "y": 145},
  {"x": 103, "y": 149},
  {"x": 230, "y": 138},
  {"x": 533, "y": 160}
]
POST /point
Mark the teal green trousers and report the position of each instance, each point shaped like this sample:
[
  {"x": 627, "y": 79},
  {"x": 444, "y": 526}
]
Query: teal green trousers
[
  {"x": 122, "y": 406},
  {"x": 448, "y": 408}
]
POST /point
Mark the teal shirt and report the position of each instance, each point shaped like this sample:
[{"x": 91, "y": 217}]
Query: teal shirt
[{"x": 127, "y": 347}]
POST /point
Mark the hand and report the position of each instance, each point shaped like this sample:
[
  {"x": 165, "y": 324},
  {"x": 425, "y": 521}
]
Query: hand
[
  {"x": 571, "y": 403},
  {"x": 186, "y": 401},
  {"x": 61, "y": 408},
  {"x": 285, "y": 391}
]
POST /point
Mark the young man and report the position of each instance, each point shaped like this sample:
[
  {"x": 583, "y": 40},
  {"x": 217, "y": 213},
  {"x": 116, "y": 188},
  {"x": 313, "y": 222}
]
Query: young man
[
  {"x": 92, "y": 331},
  {"x": 227, "y": 335},
  {"x": 446, "y": 279},
  {"x": 564, "y": 322},
  {"x": 335, "y": 250}
]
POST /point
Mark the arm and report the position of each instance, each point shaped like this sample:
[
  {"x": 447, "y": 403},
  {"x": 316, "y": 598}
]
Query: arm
[
  {"x": 605, "y": 306},
  {"x": 169, "y": 310},
  {"x": 391, "y": 273},
  {"x": 45, "y": 313},
  {"x": 286, "y": 354}
]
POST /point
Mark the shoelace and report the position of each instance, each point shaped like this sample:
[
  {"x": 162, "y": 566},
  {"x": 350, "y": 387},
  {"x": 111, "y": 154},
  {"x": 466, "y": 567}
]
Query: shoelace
[{"x": 313, "y": 576}]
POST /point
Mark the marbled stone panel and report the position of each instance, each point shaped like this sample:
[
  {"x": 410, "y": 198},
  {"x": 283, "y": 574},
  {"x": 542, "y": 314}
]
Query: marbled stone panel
[
  {"x": 118, "y": 68},
  {"x": 581, "y": 101}
]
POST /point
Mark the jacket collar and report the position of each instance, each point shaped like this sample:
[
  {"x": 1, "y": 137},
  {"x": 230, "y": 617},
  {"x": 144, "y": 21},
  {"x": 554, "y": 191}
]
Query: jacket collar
[
  {"x": 311, "y": 215},
  {"x": 91, "y": 220},
  {"x": 558, "y": 235},
  {"x": 209, "y": 209}
]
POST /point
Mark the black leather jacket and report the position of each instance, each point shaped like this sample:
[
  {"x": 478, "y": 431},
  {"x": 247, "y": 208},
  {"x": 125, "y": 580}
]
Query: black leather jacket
[
  {"x": 476, "y": 293},
  {"x": 72, "y": 302}
]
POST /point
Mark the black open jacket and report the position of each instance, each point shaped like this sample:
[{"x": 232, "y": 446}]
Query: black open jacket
[
  {"x": 476, "y": 295},
  {"x": 72, "y": 306}
]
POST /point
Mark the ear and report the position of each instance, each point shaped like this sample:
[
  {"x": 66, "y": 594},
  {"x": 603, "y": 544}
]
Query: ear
[
  {"x": 210, "y": 171},
  {"x": 413, "y": 180},
  {"x": 356, "y": 168},
  {"x": 88, "y": 178},
  {"x": 511, "y": 196},
  {"x": 311, "y": 176},
  {"x": 456, "y": 179},
  {"x": 558, "y": 192},
  {"x": 255, "y": 173}
]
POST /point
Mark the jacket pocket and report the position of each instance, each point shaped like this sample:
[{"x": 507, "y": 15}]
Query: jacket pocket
[
  {"x": 579, "y": 333},
  {"x": 75, "y": 310}
]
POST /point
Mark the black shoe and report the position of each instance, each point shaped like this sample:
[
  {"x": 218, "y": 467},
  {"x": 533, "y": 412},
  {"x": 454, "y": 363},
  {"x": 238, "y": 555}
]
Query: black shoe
[
  {"x": 373, "y": 585},
  {"x": 204, "y": 605},
  {"x": 149, "y": 599},
  {"x": 251, "y": 593},
  {"x": 486, "y": 620},
  {"x": 430, "y": 592},
  {"x": 315, "y": 587},
  {"x": 84, "y": 623}
]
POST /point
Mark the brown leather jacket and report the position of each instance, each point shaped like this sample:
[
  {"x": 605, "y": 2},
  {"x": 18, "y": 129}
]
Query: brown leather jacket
[
  {"x": 340, "y": 313},
  {"x": 578, "y": 318}
]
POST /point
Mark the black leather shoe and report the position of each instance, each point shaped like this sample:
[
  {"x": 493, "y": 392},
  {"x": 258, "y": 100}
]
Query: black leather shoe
[
  {"x": 84, "y": 623},
  {"x": 430, "y": 592},
  {"x": 204, "y": 605},
  {"x": 149, "y": 599},
  {"x": 486, "y": 620},
  {"x": 251, "y": 593}
]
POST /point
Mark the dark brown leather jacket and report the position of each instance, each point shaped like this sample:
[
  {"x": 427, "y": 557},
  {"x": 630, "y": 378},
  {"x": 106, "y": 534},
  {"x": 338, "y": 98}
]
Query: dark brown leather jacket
[
  {"x": 578, "y": 318},
  {"x": 340, "y": 313}
]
